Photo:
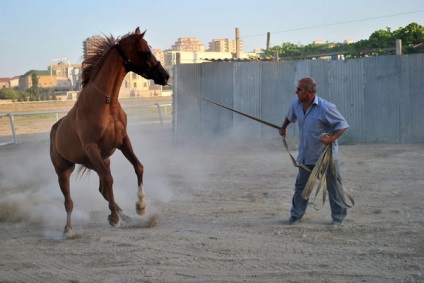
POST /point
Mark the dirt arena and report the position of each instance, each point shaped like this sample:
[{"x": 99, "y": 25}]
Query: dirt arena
[{"x": 215, "y": 214}]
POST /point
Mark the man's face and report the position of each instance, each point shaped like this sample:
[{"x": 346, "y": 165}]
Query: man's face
[{"x": 302, "y": 92}]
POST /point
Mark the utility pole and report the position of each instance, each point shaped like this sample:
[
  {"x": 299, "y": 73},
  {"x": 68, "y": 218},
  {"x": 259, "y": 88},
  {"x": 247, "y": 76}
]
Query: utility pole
[
  {"x": 237, "y": 43},
  {"x": 268, "y": 40}
]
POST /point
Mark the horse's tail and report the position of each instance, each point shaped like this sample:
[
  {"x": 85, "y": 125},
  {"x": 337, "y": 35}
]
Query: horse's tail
[{"x": 83, "y": 171}]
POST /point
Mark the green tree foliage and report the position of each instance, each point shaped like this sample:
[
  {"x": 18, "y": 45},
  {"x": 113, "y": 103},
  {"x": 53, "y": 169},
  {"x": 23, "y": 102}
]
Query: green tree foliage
[
  {"x": 23, "y": 96},
  {"x": 35, "y": 91},
  {"x": 381, "y": 39},
  {"x": 411, "y": 36},
  {"x": 8, "y": 93},
  {"x": 380, "y": 42}
]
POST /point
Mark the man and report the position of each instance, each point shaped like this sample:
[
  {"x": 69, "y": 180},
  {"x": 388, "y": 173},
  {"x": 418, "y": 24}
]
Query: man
[{"x": 315, "y": 116}]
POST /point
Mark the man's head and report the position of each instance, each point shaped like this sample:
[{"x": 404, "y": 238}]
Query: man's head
[
  {"x": 309, "y": 83},
  {"x": 306, "y": 89}
]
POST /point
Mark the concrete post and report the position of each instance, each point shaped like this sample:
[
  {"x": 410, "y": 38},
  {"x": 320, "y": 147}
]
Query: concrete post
[{"x": 398, "y": 46}]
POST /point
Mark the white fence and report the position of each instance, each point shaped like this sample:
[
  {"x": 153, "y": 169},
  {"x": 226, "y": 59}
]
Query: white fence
[{"x": 14, "y": 124}]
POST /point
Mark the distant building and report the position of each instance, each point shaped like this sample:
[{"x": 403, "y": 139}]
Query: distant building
[
  {"x": 4, "y": 83},
  {"x": 9, "y": 82},
  {"x": 225, "y": 45},
  {"x": 159, "y": 54},
  {"x": 190, "y": 44},
  {"x": 181, "y": 57},
  {"x": 45, "y": 80},
  {"x": 134, "y": 85},
  {"x": 68, "y": 75},
  {"x": 14, "y": 82},
  {"x": 89, "y": 45},
  {"x": 259, "y": 51}
]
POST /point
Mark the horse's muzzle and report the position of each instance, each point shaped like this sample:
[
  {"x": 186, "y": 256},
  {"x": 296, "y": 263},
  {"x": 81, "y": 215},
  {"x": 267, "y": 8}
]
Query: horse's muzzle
[{"x": 160, "y": 75}]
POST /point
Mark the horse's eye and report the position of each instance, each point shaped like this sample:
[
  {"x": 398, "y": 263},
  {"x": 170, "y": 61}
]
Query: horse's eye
[{"x": 147, "y": 55}]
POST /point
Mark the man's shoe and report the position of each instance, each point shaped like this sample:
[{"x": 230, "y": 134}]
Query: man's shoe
[
  {"x": 293, "y": 220},
  {"x": 337, "y": 222}
]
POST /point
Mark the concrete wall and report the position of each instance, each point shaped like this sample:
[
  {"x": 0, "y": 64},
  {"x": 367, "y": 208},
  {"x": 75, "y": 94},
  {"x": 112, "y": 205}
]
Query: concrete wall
[{"x": 381, "y": 97}]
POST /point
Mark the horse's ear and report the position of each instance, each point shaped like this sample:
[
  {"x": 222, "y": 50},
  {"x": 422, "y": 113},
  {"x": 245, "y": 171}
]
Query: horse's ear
[{"x": 137, "y": 32}]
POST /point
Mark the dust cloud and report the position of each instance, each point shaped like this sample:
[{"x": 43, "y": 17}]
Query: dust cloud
[{"x": 30, "y": 192}]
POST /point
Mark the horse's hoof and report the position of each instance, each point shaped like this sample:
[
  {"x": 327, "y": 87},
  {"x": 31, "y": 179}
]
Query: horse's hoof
[
  {"x": 124, "y": 217},
  {"x": 140, "y": 209},
  {"x": 68, "y": 233},
  {"x": 113, "y": 223}
]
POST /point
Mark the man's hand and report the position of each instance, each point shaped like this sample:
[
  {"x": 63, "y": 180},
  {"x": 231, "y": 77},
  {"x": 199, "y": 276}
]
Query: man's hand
[
  {"x": 283, "y": 131},
  {"x": 326, "y": 139}
]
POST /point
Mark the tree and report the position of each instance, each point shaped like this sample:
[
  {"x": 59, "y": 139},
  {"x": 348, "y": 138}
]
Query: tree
[
  {"x": 8, "y": 93},
  {"x": 382, "y": 39},
  {"x": 411, "y": 35},
  {"x": 34, "y": 88},
  {"x": 23, "y": 96},
  {"x": 287, "y": 49},
  {"x": 380, "y": 42}
]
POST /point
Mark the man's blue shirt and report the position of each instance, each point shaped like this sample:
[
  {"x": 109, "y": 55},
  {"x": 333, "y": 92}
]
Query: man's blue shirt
[{"x": 321, "y": 117}]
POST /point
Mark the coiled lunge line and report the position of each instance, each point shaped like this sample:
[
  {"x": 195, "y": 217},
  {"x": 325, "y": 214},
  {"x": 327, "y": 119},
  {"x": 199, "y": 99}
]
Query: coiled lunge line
[{"x": 318, "y": 173}]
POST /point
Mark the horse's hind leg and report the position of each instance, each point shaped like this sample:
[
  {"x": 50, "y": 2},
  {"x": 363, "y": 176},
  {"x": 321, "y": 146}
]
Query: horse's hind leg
[
  {"x": 69, "y": 204},
  {"x": 64, "y": 169},
  {"x": 63, "y": 174},
  {"x": 128, "y": 152}
]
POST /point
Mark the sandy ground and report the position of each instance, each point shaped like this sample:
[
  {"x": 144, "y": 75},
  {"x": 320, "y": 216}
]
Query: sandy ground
[{"x": 219, "y": 215}]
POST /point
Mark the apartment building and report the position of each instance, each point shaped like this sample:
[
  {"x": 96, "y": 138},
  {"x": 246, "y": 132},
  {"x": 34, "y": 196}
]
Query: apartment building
[
  {"x": 225, "y": 45},
  {"x": 159, "y": 54},
  {"x": 190, "y": 44},
  {"x": 89, "y": 45}
]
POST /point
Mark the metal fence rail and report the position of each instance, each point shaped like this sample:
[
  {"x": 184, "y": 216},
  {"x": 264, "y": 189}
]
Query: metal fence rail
[{"x": 14, "y": 124}]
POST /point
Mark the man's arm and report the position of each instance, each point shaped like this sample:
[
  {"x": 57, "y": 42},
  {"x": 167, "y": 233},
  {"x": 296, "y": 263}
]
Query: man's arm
[
  {"x": 283, "y": 128},
  {"x": 327, "y": 139}
]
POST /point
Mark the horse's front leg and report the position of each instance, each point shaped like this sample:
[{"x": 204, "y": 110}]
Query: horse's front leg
[
  {"x": 102, "y": 167},
  {"x": 105, "y": 194},
  {"x": 128, "y": 152}
]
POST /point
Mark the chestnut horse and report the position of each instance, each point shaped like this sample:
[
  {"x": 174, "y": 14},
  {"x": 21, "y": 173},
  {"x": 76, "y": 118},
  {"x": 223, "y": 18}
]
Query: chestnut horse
[{"x": 96, "y": 125}]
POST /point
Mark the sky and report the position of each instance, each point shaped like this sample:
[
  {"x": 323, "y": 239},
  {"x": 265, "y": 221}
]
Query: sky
[{"x": 35, "y": 32}]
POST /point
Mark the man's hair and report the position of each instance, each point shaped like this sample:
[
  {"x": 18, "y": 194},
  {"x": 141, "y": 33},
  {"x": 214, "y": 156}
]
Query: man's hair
[{"x": 310, "y": 84}]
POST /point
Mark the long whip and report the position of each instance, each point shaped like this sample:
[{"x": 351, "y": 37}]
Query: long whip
[{"x": 323, "y": 163}]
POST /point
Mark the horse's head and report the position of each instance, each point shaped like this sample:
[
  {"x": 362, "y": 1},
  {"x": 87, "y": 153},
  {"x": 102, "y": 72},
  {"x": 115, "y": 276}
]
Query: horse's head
[{"x": 138, "y": 58}]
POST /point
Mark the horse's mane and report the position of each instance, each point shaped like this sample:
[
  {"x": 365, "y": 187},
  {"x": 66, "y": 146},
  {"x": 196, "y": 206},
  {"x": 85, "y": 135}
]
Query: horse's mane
[{"x": 100, "y": 47}]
